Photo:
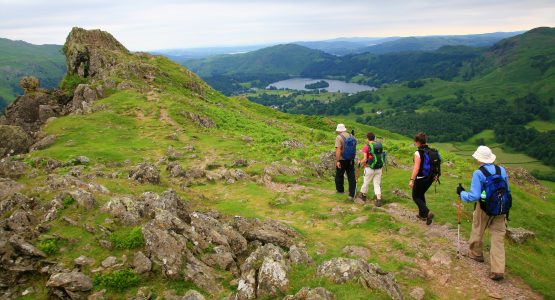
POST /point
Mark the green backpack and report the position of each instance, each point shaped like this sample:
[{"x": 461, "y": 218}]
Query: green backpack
[{"x": 376, "y": 150}]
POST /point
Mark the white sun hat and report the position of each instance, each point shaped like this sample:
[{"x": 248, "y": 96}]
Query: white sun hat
[
  {"x": 341, "y": 128},
  {"x": 483, "y": 154}
]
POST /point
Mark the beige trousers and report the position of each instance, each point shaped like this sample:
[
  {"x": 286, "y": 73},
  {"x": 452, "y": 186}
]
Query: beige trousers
[
  {"x": 497, "y": 228},
  {"x": 375, "y": 176}
]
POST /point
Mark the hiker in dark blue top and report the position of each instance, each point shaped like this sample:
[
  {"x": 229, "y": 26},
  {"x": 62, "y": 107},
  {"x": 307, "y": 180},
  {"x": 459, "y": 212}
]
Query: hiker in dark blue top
[{"x": 480, "y": 219}]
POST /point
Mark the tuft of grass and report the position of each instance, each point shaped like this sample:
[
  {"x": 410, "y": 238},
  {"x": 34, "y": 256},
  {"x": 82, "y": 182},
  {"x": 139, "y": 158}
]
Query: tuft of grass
[
  {"x": 68, "y": 201},
  {"x": 128, "y": 238},
  {"x": 49, "y": 246},
  {"x": 117, "y": 281}
]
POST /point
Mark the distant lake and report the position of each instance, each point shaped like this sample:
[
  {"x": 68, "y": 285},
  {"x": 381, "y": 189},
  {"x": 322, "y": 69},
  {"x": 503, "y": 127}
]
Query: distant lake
[{"x": 335, "y": 85}]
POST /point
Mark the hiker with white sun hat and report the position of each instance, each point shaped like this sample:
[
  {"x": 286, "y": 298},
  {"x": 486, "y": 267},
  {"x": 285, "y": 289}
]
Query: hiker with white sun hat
[
  {"x": 489, "y": 188},
  {"x": 345, "y": 152}
]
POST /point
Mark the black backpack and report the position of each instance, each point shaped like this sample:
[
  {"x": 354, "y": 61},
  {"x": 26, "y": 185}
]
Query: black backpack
[{"x": 430, "y": 163}]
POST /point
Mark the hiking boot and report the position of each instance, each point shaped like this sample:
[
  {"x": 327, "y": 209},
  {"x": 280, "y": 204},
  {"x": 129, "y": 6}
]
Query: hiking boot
[
  {"x": 378, "y": 202},
  {"x": 420, "y": 218},
  {"x": 496, "y": 276},
  {"x": 476, "y": 258},
  {"x": 430, "y": 218},
  {"x": 363, "y": 197}
]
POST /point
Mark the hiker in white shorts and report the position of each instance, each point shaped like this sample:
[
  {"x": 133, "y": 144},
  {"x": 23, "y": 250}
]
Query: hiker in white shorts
[{"x": 373, "y": 162}]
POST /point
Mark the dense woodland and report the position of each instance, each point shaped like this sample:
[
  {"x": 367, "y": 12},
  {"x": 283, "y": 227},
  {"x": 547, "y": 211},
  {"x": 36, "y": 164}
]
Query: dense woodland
[{"x": 456, "y": 119}]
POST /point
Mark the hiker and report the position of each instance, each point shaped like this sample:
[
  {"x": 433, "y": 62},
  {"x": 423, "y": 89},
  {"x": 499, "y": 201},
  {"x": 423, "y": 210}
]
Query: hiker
[
  {"x": 424, "y": 173},
  {"x": 345, "y": 151},
  {"x": 373, "y": 161},
  {"x": 488, "y": 181}
]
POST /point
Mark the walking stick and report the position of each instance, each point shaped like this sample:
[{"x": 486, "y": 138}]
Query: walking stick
[
  {"x": 357, "y": 175},
  {"x": 459, "y": 226}
]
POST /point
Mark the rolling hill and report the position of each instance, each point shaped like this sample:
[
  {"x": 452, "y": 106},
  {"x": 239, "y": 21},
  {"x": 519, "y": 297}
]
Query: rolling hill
[
  {"x": 18, "y": 59},
  {"x": 287, "y": 60},
  {"x": 151, "y": 183},
  {"x": 430, "y": 43}
]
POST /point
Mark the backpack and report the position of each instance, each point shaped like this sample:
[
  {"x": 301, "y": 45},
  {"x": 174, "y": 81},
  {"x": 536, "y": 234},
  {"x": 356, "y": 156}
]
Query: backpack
[
  {"x": 375, "y": 150},
  {"x": 349, "y": 147},
  {"x": 430, "y": 165},
  {"x": 498, "y": 199}
]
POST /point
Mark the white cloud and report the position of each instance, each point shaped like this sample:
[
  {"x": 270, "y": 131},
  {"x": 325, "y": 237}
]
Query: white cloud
[{"x": 172, "y": 23}]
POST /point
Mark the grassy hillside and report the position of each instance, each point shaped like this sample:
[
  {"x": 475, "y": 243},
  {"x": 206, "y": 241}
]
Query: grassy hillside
[
  {"x": 141, "y": 123},
  {"x": 288, "y": 60},
  {"x": 18, "y": 59}
]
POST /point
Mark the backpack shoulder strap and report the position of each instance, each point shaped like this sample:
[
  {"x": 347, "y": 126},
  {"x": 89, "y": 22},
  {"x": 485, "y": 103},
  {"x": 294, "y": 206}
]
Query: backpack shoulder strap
[
  {"x": 343, "y": 137},
  {"x": 485, "y": 172},
  {"x": 497, "y": 170},
  {"x": 371, "y": 148}
]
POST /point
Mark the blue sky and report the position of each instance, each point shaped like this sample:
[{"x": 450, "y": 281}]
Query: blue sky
[{"x": 148, "y": 25}]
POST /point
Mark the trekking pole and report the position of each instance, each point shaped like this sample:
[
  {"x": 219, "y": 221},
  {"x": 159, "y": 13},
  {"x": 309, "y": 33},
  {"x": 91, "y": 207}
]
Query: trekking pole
[
  {"x": 357, "y": 175},
  {"x": 459, "y": 226}
]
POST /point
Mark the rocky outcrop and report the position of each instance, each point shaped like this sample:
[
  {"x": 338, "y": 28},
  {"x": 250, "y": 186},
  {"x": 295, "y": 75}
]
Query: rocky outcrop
[
  {"x": 298, "y": 255},
  {"x": 342, "y": 270},
  {"x": 18, "y": 258},
  {"x": 29, "y": 84},
  {"x": 12, "y": 169},
  {"x": 8, "y": 188},
  {"x": 229, "y": 243},
  {"x": 357, "y": 252},
  {"x": 83, "y": 97},
  {"x": 293, "y": 144},
  {"x": 13, "y": 140},
  {"x": 268, "y": 231},
  {"x": 306, "y": 293},
  {"x": 91, "y": 53},
  {"x": 263, "y": 274},
  {"x": 519, "y": 235},
  {"x": 145, "y": 173},
  {"x": 201, "y": 121},
  {"x": 32, "y": 110},
  {"x": 141, "y": 263},
  {"x": 44, "y": 142},
  {"x": 71, "y": 285}
]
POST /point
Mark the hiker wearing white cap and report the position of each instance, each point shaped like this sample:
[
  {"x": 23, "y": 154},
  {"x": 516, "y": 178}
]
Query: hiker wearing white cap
[
  {"x": 487, "y": 175},
  {"x": 345, "y": 152}
]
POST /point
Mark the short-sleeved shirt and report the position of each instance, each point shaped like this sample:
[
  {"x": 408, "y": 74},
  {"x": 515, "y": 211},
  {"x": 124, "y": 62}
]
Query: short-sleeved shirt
[
  {"x": 366, "y": 149},
  {"x": 340, "y": 142}
]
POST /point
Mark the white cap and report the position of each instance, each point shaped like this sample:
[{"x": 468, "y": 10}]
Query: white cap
[
  {"x": 483, "y": 154},
  {"x": 340, "y": 128}
]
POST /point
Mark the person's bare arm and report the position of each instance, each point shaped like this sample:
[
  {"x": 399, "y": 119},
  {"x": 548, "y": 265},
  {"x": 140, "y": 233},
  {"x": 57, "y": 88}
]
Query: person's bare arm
[
  {"x": 415, "y": 170},
  {"x": 338, "y": 151}
]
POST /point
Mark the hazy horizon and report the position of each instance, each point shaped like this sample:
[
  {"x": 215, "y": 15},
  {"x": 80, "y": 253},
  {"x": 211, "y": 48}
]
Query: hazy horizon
[{"x": 173, "y": 24}]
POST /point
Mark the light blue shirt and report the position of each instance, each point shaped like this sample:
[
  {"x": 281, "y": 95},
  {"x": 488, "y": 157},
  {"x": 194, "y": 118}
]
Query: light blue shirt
[{"x": 478, "y": 181}]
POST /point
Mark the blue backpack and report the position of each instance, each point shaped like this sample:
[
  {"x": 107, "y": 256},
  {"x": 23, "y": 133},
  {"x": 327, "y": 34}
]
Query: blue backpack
[
  {"x": 430, "y": 165},
  {"x": 498, "y": 199},
  {"x": 349, "y": 147}
]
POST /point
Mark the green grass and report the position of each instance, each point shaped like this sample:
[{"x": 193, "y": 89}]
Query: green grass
[
  {"x": 541, "y": 125},
  {"x": 19, "y": 59},
  {"x": 129, "y": 128},
  {"x": 120, "y": 280},
  {"x": 128, "y": 238}
]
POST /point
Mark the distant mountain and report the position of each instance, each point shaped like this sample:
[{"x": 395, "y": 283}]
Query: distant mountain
[
  {"x": 18, "y": 59},
  {"x": 203, "y": 52},
  {"x": 429, "y": 43},
  {"x": 344, "y": 46},
  {"x": 286, "y": 59}
]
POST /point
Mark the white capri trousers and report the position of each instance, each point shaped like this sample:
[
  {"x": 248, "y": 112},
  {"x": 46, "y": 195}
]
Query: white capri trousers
[{"x": 374, "y": 175}]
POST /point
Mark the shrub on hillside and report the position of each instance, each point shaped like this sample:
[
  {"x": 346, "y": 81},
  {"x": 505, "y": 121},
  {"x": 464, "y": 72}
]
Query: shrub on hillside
[
  {"x": 128, "y": 239},
  {"x": 118, "y": 280}
]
